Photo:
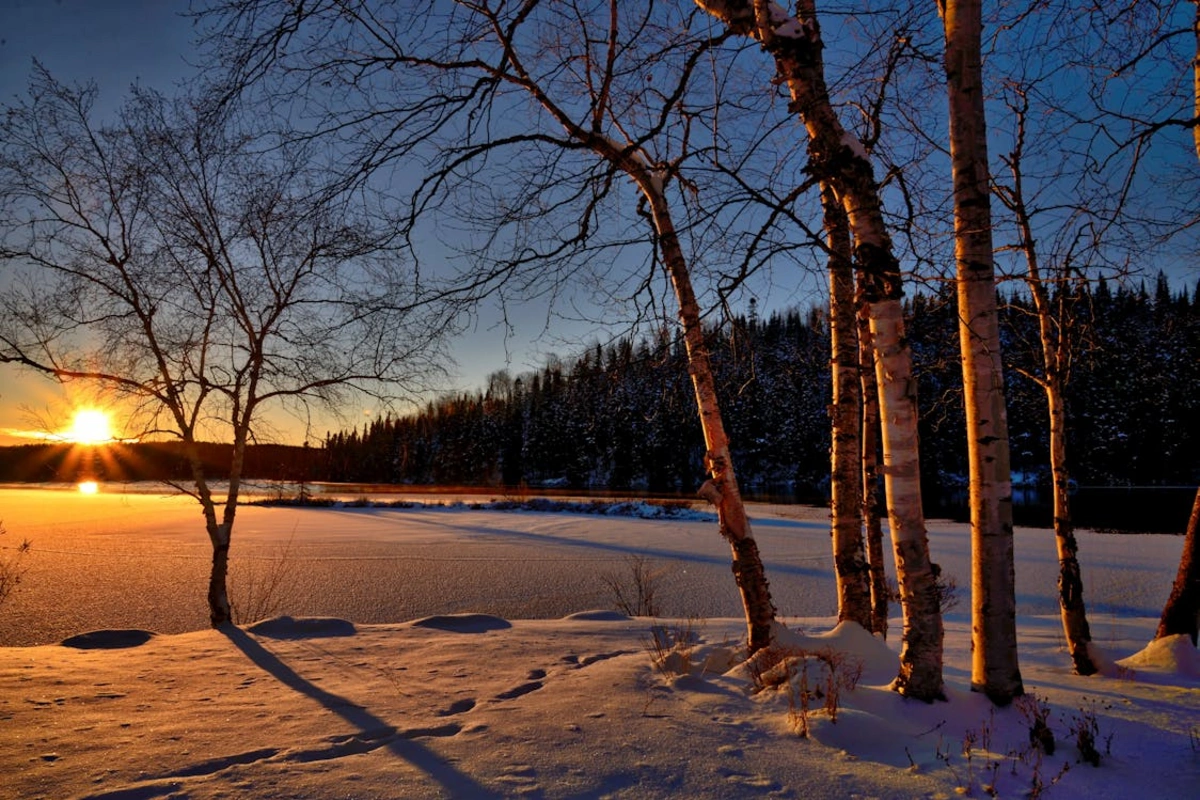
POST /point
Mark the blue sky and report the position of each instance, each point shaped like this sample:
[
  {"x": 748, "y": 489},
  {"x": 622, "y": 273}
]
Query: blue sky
[
  {"x": 114, "y": 42},
  {"x": 117, "y": 43}
]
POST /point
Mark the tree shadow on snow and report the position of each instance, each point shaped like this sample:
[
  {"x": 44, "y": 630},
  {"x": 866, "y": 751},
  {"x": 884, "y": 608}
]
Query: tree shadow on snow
[
  {"x": 481, "y": 533},
  {"x": 374, "y": 732}
]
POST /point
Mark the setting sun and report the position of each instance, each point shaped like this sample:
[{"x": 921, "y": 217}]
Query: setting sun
[{"x": 90, "y": 426}]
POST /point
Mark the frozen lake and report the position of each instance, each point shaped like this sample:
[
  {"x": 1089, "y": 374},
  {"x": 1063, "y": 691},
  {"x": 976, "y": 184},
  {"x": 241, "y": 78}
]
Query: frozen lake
[{"x": 126, "y": 559}]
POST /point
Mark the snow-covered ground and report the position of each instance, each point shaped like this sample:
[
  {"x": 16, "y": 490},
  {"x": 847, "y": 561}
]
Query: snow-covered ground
[{"x": 452, "y": 652}]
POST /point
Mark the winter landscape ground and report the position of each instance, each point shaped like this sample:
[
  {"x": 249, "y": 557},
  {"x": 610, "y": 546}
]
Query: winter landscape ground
[{"x": 453, "y": 652}]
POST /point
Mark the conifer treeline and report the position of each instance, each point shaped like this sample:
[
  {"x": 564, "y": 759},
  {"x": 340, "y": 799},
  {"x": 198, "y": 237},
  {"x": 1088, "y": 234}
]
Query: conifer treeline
[{"x": 622, "y": 416}]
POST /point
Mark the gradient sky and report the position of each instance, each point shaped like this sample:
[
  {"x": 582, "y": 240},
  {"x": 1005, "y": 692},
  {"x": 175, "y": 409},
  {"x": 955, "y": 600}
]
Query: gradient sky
[{"x": 117, "y": 43}]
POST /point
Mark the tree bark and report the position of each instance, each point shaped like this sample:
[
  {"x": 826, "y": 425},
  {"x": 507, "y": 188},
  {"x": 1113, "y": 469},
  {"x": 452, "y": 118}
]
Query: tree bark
[
  {"x": 838, "y": 158},
  {"x": 1070, "y": 577},
  {"x": 1196, "y": 77},
  {"x": 849, "y": 557},
  {"x": 994, "y": 667},
  {"x": 870, "y": 473},
  {"x": 219, "y": 610},
  {"x": 1181, "y": 614},
  {"x": 722, "y": 487}
]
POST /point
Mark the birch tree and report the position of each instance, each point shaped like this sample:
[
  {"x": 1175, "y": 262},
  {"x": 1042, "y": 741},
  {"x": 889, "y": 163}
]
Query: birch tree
[
  {"x": 1057, "y": 322},
  {"x": 195, "y": 279},
  {"x": 994, "y": 667},
  {"x": 838, "y": 158},
  {"x": 1079, "y": 128},
  {"x": 850, "y": 562},
  {"x": 591, "y": 94},
  {"x": 872, "y": 521},
  {"x": 1181, "y": 614}
]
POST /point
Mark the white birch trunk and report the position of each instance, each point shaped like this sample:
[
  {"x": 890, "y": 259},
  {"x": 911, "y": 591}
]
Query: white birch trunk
[
  {"x": 722, "y": 487},
  {"x": 849, "y": 556},
  {"x": 994, "y": 668},
  {"x": 838, "y": 158},
  {"x": 870, "y": 473}
]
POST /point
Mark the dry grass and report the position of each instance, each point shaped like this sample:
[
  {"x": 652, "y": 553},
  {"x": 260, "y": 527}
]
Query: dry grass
[
  {"x": 11, "y": 567},
  {"x": 636, "y": 590},
  {"x": 258, "y": 588}
]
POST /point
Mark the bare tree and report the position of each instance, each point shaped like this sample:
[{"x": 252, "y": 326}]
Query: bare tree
[
  {"x": 602, "y": 96},
  {"x": 994, "y": 668},
  {"x": 1057, "y": 319},
  {"x": 1079, "y": 126},
  {"x": 837, "y": 157},
  {"x": 198, "y": 278}
]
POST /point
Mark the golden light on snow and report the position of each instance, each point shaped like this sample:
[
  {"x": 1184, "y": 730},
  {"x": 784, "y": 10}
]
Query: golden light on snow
[
  {"x": 90, "y": 426},
  {"x": 88, "y": 487}
]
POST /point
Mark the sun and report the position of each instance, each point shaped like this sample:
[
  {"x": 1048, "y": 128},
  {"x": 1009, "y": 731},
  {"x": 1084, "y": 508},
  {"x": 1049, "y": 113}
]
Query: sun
[{"x": 90, "y": 426}]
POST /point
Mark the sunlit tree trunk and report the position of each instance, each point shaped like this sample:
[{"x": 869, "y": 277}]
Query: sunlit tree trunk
[
  {"x": 722, "y": 487},
  {"x": 839, "y": 159},
  {"x": 994, "y": 667},
  {"x": 1181, "y": 614},
  {"x": 1196, "y": 78},
  {"x": 870, "y": 472},
  {"x": 849, "y": 558}
]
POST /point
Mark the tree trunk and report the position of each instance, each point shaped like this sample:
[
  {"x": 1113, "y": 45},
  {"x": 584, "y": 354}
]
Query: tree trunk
[
  {"x": 921, "y": 642},
  {"x": 1181, "y": 614},
  {"x": 870, "y": 473},
  {"x": 994, "y": 667},
  {"x": 219, "y": 611},
  {"x": 849, "y": 558},
  {"x": 838, "y": 158},
  {"x": 722, "y": 488},
  {"x": 1070, "y": 577},
  {"x": 1196, "y": 78}
]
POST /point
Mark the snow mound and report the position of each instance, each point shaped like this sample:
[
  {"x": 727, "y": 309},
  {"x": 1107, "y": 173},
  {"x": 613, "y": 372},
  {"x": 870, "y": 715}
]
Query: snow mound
[
  {"x": 598, "y": 615},
  {"x": 109, "y": 639},
  {"x": 849, "y": 639},
  {"x": 302, "y": 627},
  {"x": 463, "y": 623},
  {"x": 1170, "y": 656}
]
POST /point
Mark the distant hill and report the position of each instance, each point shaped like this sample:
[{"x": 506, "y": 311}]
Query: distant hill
[{"x": 144, "y": 461}]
